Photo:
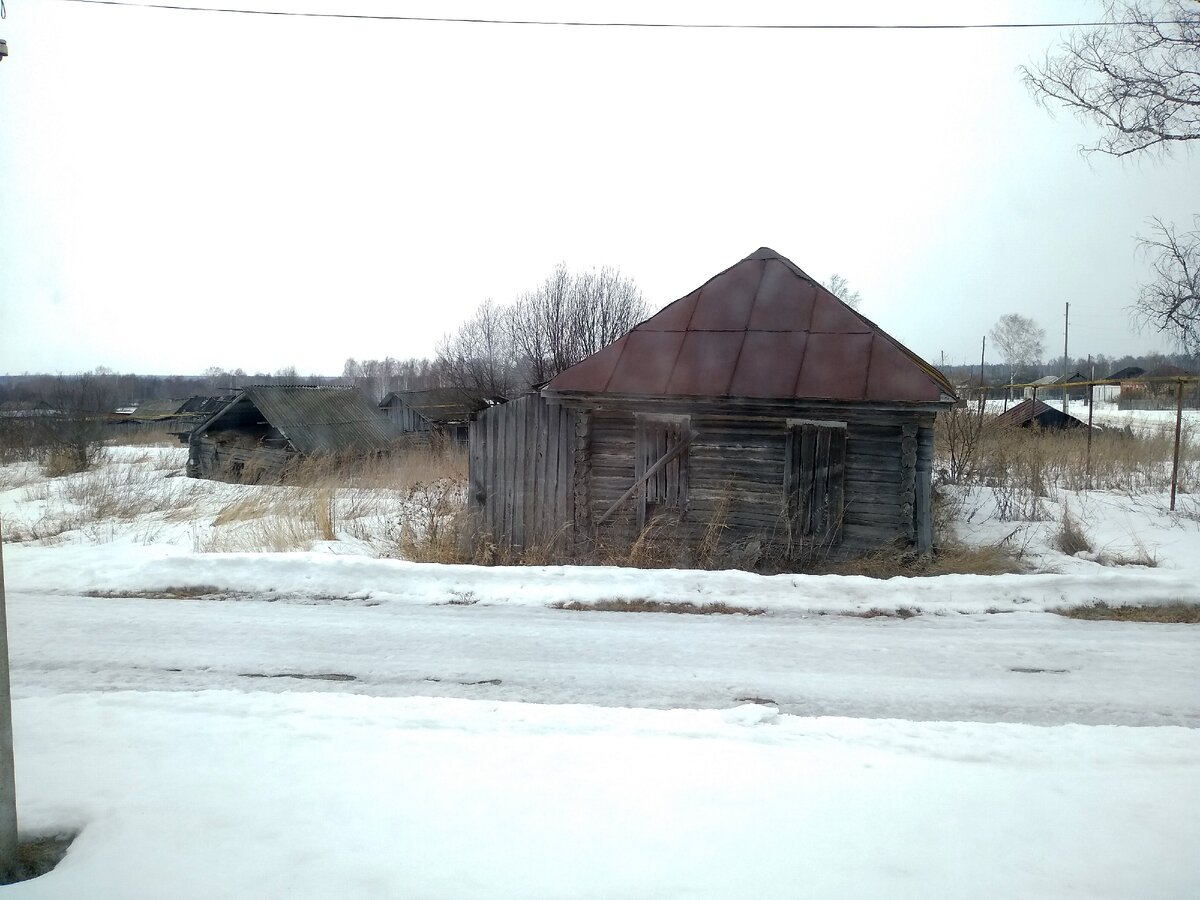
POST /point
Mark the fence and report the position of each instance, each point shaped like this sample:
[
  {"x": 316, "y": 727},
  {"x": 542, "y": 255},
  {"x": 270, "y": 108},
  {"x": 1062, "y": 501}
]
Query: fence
[{"x": 522, "y": 464}]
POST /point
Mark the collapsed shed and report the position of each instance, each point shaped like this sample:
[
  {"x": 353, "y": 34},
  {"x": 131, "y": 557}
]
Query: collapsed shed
[
  {"x": 254, "y": 436},
  {"x": 759, "y": 408},
  {"x": 1031, "y": 413}
]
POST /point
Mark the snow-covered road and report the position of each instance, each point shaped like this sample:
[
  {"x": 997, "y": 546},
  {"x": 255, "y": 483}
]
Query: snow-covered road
[{"x": 981, "y": 668}]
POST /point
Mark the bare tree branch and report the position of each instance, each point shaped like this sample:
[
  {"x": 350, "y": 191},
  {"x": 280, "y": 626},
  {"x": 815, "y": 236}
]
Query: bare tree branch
[
  {"x": 1137, "y": 78},
  {"x": 1170, "y": 302}
]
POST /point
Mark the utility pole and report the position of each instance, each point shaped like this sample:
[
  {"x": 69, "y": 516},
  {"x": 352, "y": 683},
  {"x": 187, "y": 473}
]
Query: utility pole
[
  {"x": 982, "y": 392},
  {"x": 1066, "y": 359}
]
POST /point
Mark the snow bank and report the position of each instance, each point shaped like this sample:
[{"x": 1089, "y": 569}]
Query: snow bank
[
  {"x": 300, "y": 796},
  {"x": 326, "y": 573}
]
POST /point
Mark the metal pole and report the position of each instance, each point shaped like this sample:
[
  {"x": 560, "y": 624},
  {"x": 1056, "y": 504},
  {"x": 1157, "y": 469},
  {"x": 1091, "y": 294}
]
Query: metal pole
[
  {"x": 8, "y": 783},
  {"x": 1178, "y": 429}
]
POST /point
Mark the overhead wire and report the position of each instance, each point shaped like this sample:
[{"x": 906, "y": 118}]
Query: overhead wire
[{"x": 569, "y": 23}]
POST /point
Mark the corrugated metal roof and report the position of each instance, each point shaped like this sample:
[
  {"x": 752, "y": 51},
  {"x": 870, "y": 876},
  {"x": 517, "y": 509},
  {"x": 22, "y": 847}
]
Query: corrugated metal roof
[
  {"x": 439, "y": 405},
  {"x": 1030, "y": 411},
  {"x": 761, "y": 329},
  {"x": 322, "y": 419}
]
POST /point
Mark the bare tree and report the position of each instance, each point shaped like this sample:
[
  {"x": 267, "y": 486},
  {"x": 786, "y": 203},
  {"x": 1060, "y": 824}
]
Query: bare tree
[
  {"x": 477, "y": 359},
  {"x": 74, "y": 431},
  {"x": 568, "y": 317},
  {"x": 1171, "y": 302},
  {"x": 1020, "y": 340},
  {"x": 840, "y": 288},
  {"x": 1138, "y": 76}
]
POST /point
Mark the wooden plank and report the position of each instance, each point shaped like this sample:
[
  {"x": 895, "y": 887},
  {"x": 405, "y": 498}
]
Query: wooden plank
[
  {"x": 639, "y": 476},
  {"x": 805, "y": 476},
  {"x": 837, "y": 474},
  {"x": 520, "y": 470}
]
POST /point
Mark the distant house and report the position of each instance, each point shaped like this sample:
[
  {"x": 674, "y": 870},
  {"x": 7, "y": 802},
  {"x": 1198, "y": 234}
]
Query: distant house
[
  {"x": 1031, "y": 413},
  {"x": 255, "y": 435},
  {"x": 1156, "y": 389},
  {"x": 1108, "y": 393},
  {"x": 26, "y": 409},
  {"x": 426, "y": 413},
  {"x": 759, "y": 412}
]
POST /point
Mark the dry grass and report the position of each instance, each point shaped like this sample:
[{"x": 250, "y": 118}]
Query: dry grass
[
  {"x": 1071, "y": 538},
  {"x": 1030, "y": 464},
  {"x": 948, "y": 559},
  {"x": 1174, "y": 612},
  {"x": 659, "y": 606}
]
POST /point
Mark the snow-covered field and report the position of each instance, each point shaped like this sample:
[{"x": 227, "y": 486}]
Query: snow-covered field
[{"x": 329, "y": 722}]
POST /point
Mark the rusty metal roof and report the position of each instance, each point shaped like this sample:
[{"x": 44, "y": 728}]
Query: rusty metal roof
[
  {"x": 761, "y": 329},
  {"x": 322, "y": 419},
  {"x": 1032, "y": 411}
]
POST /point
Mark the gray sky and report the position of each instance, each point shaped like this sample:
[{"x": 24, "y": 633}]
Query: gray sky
[{"x": 181, "y": 190}]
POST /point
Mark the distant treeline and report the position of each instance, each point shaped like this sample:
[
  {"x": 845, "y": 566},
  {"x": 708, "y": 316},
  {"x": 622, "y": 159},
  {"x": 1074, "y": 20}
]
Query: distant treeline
[{"x": 1094, "y": 367}]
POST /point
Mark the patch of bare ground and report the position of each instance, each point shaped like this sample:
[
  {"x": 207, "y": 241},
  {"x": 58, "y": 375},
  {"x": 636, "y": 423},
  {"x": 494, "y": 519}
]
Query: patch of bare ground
[
  {"x": 660, "y": 606},
  {"x": 37, "y": 855},
  {"x": 1177, "y": 612},
  {"x": 167, "y": 593},
  {"x": 875, "y": 612}
]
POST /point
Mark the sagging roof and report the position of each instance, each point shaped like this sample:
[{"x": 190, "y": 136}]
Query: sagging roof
[
  {"x": 197, "y": 404},
  {"x": 317, "y": 419},
  {"x": 761, "y": 329},
  {"x": 442, "y": 406},
  {"x": 1035, "y": 412},
  {"x": 157, "y": 409}
]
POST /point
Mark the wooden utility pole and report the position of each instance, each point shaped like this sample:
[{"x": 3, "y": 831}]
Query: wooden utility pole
[
  {"x": 1066, "y": 358},
  {"x": 1178, "y": 431},
  {"x": 982, "y": 392}
]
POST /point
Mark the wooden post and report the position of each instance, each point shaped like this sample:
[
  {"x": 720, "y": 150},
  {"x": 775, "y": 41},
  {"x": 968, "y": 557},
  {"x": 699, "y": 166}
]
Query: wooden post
[
  {"x": 8, "y": 786},
  {"x": 1178, "y": 429},
  {"x": 1088, "y": 466}
]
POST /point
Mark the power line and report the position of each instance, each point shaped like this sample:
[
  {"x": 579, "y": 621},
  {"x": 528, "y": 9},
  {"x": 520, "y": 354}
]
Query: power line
[{"x": 583, "y": 24}]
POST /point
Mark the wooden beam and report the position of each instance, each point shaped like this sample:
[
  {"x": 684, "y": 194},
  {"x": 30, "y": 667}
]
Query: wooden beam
[{"x": 684, "y": 440}]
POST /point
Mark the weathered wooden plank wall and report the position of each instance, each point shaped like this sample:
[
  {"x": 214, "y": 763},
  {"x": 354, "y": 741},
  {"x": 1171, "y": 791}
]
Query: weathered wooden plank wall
[{"x": 521, "y": 471}]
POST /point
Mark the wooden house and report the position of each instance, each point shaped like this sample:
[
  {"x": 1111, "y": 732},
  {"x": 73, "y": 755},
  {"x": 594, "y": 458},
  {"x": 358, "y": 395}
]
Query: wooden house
[
  {"x": 438, "y": 411},
  {"x": 254, "y": 436},
  {"x": 759, "y": 411}
]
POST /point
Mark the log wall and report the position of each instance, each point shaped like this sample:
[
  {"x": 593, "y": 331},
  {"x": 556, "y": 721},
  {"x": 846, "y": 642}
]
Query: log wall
[{"x": 736, "y": 482}]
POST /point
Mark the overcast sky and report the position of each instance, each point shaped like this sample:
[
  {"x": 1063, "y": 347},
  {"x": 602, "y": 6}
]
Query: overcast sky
[{"x": 181, "y": 190}]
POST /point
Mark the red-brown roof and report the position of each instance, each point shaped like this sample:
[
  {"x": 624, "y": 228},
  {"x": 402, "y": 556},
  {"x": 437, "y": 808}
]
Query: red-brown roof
[{"x": 761, "y": 329}]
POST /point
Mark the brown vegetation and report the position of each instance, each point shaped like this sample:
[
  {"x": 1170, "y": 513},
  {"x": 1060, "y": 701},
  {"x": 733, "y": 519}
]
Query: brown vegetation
[{"x": 1175, "y": 612}]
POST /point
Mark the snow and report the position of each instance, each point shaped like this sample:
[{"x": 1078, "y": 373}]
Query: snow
[
  {"x": 330, "y": 722},
  {"x": 221, "y": 794}
]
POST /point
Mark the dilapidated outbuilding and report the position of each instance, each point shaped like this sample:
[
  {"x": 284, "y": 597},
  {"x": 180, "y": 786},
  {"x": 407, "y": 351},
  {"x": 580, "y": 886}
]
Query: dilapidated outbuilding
[
  {"x": 759, "y": 412},
  {"x": 425, "y": 415},
  {"x": 254, "y": 436},
  {"x": 1031, "y": 413}
]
